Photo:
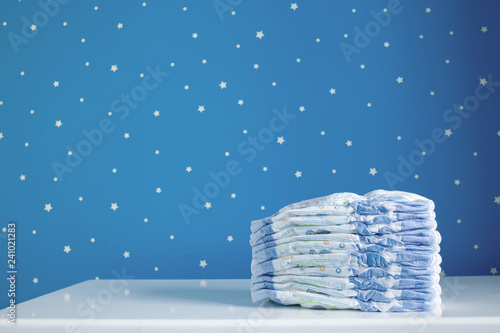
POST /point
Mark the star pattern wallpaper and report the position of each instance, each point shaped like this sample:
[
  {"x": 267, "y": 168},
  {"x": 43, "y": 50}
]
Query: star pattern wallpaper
[{"x": 139, "y": 139}]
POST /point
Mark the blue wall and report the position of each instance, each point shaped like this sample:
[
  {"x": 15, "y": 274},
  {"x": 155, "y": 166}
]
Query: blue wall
[{"x": 454, "y": 63}]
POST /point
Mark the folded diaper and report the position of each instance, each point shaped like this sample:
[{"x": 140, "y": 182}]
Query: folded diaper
[
  {"x": 318, "y": 247},
  {"x": 377, "y": 252},
  {"x": 323, "y": 301},
  {"x": 346, "y": 259}
]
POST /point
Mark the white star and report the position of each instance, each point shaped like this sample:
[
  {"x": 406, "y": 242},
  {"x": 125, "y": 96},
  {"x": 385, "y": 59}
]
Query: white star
[
  {"x": 67, "y": 249},
  {"x": 302, "y": 109},
  {"x": 262, "y": 207},
  {"x": 386, "y": 44},
  {"x": 204, "y": 61},
  {"x": 497, "y": 200},
  {"x": 126, "y": 135},
  {"x": 114, "y": 206},
  {"x": 421, "y": 36},
  {"x": 317, "y": 40},
  {"x": 126, "y": 254},
  {"x": 208, "y": 205},
  {"x": 114, "y": 68},
  {"x": 223, "y": 84},
  {"x": 484, "y": 29},
  {"x": 322, "y": 133},
  {"x": 195, "y": 35},
  {"x": 171, "y": 236},
  {"x": 58, "y": 123},
  {"x": 332, "y": 91},
  {"x": 399, "y": 79},
  {"x": 189, "y": 169},
  {"x": 157, "y": 152},
  {"x": 483, "y": 81},
  {"x": 158, "y": 190},
  {"x": 1, "y": 135},
  {"x": 294, "y": 6},
  {"x": 334, "y": 171},
  {"x": 416, "y": 176},
  {"x": 274, "y": 84},
  {"x": 448, "y": 132},
  {"x": 233, "y": 195},
  {"x": 156, "y": 113},
  {"x": 126, "y": 292},
  {"x": 493, "y": 270},
  {"x": 201, "y": 108},
  {"x": 348, "y": 143},
  {"x": 362, "y": 66},
  {"x": 66, "y": 296},
  {"x": 264, "y": 168},
  {"x": 442, "y": 273},
  {"x": 229, "y": 238},
  {"x": 432, "y": 93},
  {"x": 240, "y": 102},
  {"x": 92, "y": 240},
  {"x": 35, "y": 280},
  {"x": 203, "y": 263},
  {"x": 298, "y": 59},
  {"x": 114, "y": 170},
  {"x": 298, "y": 174},
  {"x": 451, "y": 32},
  {"x": 447, "y": 61},
  {"x": 498, "y": 133},
  {"x": 23, "y": 177},
  {"x": 457, "y": 182},
  {"x": 427, "y": 10},
  {"x": 474, "y": 153},
  {"x": 476, "y": 246},
  {"x": 373, "y": 171},
  {"x": 33, "y": 27},
  {"x": 256, "y": 66},
  {"x": 119, "y": 25},
  {"x": 48, "y": 207},
  {"x": 226, "y": 153},
  {"x": 369, "y": 105},
  {"x": 186, "y": 87},
  {"x": 260, "y": 34},
  {"x": 280, "y": 140},
  {"x": 56, "y": 83},
  {"x": 459, "y": 221},
  {"x": 203, "y": 283},
  {"x": 399, "y": 138}
]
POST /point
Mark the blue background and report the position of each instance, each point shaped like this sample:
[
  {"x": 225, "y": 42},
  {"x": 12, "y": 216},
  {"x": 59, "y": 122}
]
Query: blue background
[{"x": 161, "y": 34}]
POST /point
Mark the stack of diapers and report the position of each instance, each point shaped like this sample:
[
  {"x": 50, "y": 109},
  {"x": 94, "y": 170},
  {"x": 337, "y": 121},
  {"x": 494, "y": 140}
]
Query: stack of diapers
[{"x": 376, "y": 252}]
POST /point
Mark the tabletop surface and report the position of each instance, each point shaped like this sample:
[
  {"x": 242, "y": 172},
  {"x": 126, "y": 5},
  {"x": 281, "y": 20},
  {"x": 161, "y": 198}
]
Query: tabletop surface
[{"x": 226, "y": 306}]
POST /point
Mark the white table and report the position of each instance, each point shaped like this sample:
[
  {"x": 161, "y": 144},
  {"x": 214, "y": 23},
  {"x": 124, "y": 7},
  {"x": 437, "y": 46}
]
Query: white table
[{"x": 470, "y": 304}]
